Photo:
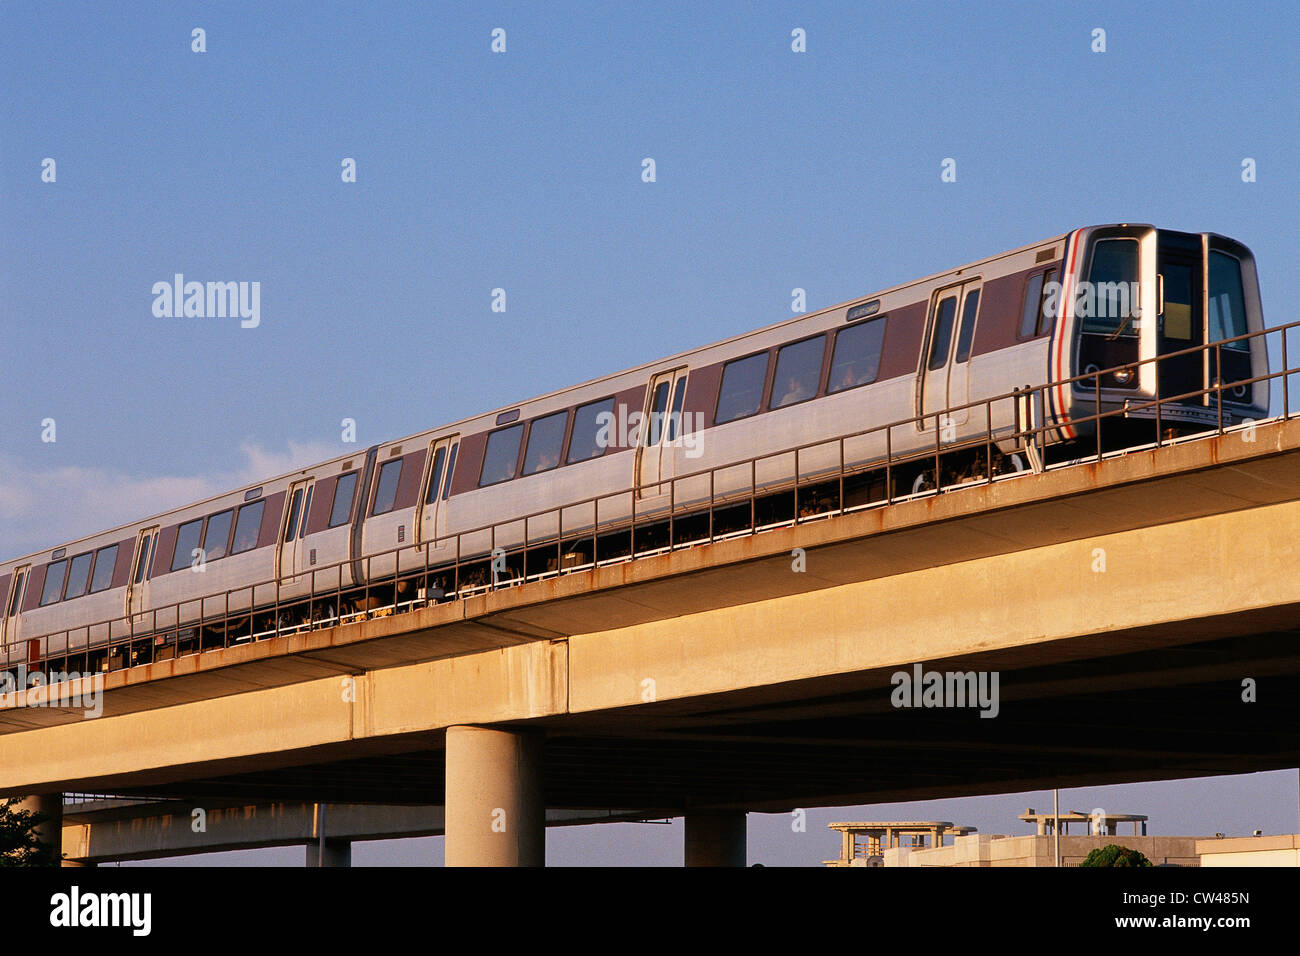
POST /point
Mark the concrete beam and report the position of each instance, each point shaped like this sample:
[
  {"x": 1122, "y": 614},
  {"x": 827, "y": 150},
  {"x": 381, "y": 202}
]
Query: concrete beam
[
  {"x": 715, "y": 838},
  {"x": 106, "y": 832}
]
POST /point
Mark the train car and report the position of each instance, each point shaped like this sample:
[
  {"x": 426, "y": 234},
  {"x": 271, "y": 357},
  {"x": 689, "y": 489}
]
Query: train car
[{"x": 1001, "y": 364}]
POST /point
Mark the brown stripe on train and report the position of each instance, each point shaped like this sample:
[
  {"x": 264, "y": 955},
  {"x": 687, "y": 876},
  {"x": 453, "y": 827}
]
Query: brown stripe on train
[
  {"x": 408, "y": 486},
  {"x": 35, "y": 584},
  {"x": 122, "y": 567},
  {"x": 322, "y": 501},
  {"x": 270, "y": 529}
]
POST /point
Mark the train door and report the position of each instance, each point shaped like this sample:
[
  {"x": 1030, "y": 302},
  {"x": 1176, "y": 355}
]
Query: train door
[
  {"x": 437, "y": 487},
  {"x": 1180, "y": 324},
  {"x": 661, "y": 429},
  {"x": 959, "y": 368},
  {"x": 13, "y": 606},
  {"x": 934, "y": 377},
  {"x": 292, "y": 558},
  {"x": 137, "y": 589}
]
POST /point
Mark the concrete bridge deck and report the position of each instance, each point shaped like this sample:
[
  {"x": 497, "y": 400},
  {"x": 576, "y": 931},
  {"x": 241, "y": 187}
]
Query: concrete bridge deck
[{"x": 1122, "y": 603}]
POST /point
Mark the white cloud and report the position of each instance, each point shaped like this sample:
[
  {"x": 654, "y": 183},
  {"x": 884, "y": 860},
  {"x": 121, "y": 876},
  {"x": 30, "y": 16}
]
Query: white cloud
[{"x": 43, "y": 508}]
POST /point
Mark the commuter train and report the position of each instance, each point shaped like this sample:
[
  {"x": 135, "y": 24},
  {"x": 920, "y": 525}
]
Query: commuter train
[{"x": 685, "y": 449}]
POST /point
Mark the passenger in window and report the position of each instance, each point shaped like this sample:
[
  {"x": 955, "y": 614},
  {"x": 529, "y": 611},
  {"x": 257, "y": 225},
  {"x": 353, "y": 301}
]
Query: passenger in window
[
  {"x": 795, "y": 391},
  {"x": 847, "y": 379}
]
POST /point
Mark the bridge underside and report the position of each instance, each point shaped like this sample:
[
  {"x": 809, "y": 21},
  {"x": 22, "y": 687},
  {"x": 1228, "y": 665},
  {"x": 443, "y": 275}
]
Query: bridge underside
[{"x": 1167, "y": 713}]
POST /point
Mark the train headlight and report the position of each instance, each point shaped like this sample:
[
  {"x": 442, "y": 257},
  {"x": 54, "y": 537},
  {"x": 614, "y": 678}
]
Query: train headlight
[
  {"x": 1124, "y": 376},
  {"x": 1239, "y": 391}
]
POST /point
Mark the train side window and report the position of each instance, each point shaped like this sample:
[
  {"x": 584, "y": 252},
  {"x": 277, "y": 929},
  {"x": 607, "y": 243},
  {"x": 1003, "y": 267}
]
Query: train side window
[
  {"x": 1033, "y": 298},
  {"x": 798, "y": 372},
  {"x": 586, "y": 442},
  {"x": 291, "y": 522},
  {"x": 856, "y": 358},
  {"x": 741, "y": 392},
  {"x": 187, "y": 540},
  {"x": 54, "y": 576},
  {"x": 247, "y": 526},
  {"x": 675, "y": 416},
  {"x": 144, "y": 561},
  {"x": 386, "y": 490},
  {"x": 501, "y": 456},
  {"x": 1046, "y": 315},
  {"x": 217, "y": 537},
  {"x": 941, "y": 335},
  {"x": 306, "y": 511},
  {"x": 967, "y": 333},
  {"x": 451, "y": 468},
  {"x": 20, "y": 581},
  {"x": 545, "y": 442},
  {"x": 344, "y": 490},
  {"x": 658, "y": 408},
  {"x": 105, "y": 560},
  {"x": 435, "y": 475},
  {"x": 78, "y": 576}
]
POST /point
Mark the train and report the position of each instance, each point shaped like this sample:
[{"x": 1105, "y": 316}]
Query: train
[{"x": 1004, "y": 364}]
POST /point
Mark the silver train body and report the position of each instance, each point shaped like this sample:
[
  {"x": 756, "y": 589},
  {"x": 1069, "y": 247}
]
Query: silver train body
[{"x": 912, "y": 354}]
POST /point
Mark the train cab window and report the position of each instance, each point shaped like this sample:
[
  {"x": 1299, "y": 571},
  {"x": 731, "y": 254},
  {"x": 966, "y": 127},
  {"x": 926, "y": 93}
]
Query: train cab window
[
  {"x": 247, "y": 526},
  {"x": 501, "y": 457},
  {"x": 545, "y": 442},
  {"x": 591, "y": 430},
  {"x": 217, "y": 537},
  {"x": 78, "y": 576},
  {"x": 1111, "y": 276},
  {"x": 344, "y": 490},
  {"x": 742, "y": 388},
  {"x": 386, "y": 490},
  {"x": 798, "y": 372},
  {"x": 1227, "y": 304},
  {"x": 54, "y": 575},
  {"x": 967, "y": 333},
  {"x": 1029, "y": 315},
  {"x": 856, "y": 358},
  {"x": 105, "y": 561},
  {"x": 187, "y": 542}
]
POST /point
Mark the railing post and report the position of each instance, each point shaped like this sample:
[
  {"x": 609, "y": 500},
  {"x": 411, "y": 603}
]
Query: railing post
[
  {"x": 1218, "y": 378},
  {"x": 1096, "y": 382},
  {"x": 889, "y": 464}
]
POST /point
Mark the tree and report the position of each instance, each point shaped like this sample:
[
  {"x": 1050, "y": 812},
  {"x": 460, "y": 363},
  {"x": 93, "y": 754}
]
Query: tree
[
  {"x": 19, "y": 844},
  {"x": 1113, "y": 855}
]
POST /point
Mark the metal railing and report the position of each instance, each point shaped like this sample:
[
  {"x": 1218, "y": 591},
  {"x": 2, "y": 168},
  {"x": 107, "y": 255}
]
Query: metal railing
[{"x": 184, "y": 632}]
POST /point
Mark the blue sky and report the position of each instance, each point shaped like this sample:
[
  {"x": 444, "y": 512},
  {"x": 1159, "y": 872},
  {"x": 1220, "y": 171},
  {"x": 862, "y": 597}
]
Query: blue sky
[{"x": 775, "y": 170}]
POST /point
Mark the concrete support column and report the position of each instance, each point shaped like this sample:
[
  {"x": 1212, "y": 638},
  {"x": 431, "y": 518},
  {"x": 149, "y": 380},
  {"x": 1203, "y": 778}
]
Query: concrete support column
[
  {"x": 715, "y": 838},
  {"x": 495, "y": 811},
  {"x": 337, "y": 853},
  {"x": 51, "y": 831}
]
